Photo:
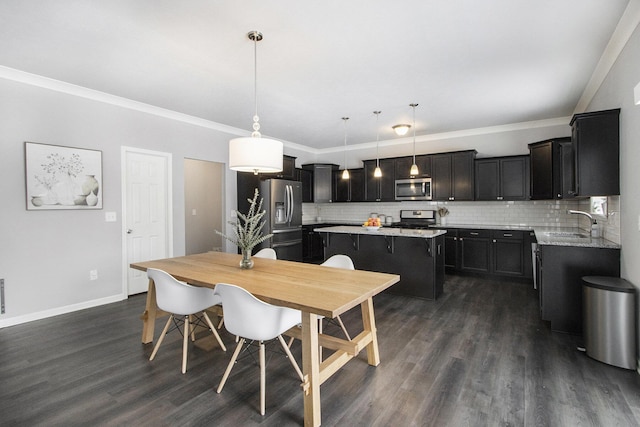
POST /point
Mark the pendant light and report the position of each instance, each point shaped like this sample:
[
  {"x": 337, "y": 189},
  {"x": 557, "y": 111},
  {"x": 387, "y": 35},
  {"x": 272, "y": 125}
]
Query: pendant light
[
  {"x": 345, "y": 172},
  {"x": 414, "y": 168},
  {"x": 377, "y": 173},
  {"x": 255, "y": 154}
]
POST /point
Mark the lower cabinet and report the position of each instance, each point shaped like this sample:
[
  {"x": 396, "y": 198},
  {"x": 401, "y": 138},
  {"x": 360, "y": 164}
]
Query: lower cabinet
[
  {"x": 492, "y": 252},
  {"x": 560, "y": 272},
  {"x": 418, "y": 261},
  {"x": 312, "y": 246}
]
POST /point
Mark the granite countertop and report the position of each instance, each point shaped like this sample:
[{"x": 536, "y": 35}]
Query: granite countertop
[
  {"x": 558, "y": 236},
  {"x": 383, "y": 231},
  {"x": 571, "y": 237}
]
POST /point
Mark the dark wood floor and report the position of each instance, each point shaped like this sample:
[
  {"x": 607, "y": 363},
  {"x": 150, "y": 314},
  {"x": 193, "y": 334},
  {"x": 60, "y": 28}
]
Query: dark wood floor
[{"x": 477, "y": 356}]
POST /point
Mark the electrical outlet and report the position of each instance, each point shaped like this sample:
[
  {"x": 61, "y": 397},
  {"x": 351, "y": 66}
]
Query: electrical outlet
[
  {"x": 110, "y": 217},
  {"x": 93, "y": 275}
]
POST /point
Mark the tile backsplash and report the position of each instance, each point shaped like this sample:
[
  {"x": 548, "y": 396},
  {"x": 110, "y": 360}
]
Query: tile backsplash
[{"x": 538, "y": 213}]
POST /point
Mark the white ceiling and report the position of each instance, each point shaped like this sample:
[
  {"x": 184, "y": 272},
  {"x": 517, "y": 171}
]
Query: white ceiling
[{"x": 467, "y": 63}]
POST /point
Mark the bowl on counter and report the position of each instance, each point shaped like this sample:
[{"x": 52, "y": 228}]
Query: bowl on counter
[{"x": 371, "y": 227}]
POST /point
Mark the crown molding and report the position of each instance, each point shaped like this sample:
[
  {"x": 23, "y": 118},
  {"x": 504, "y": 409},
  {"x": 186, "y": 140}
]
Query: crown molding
[{"x": 624, "y": 30}]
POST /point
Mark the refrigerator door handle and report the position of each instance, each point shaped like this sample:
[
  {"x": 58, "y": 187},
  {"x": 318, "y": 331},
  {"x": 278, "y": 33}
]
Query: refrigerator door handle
[{"x": 289, "y": 193}]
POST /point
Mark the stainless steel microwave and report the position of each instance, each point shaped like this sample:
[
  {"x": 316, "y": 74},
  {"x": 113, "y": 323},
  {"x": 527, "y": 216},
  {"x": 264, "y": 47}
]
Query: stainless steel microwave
[{"x": 413, "y": 189}]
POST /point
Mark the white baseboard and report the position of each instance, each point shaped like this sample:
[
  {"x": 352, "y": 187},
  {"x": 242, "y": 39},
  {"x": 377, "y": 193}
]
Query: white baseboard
[{"x": 12, "y": 321}]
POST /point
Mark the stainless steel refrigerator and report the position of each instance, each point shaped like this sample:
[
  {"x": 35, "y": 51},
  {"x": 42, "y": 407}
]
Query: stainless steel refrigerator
[{"x": 283, "y": 204}]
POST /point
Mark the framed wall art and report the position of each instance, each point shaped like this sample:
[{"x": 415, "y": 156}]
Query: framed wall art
[{"x": 59, "y": 177}]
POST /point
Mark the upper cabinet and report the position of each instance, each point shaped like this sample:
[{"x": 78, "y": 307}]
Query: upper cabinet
[
  {"x": 288, "y": 170},
  {"x": 552, "y": 169},
  {"x": 596, "y": 142},
  {"x": 453, "y": 175},
  {"x": 320, "y": 188},
  {"x": 502, "y": 178},
  {"x": 403, "y": 165},
  {"x": 380, "y": 189},
  {"x": 349, "y": 190}
]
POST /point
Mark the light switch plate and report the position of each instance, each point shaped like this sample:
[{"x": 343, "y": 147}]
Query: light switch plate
[{"x": 110, "y": 217}]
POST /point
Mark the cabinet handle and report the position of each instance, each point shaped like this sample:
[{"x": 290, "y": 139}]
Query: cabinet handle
[
  {"x": 473, "y": 233},
  {"x": 508, "y": 235},
  {"x": 494, "y": 240}
]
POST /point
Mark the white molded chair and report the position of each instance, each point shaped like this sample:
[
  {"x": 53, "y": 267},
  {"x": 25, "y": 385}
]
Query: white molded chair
[
  {"x": 266, "y": 253},
  {"x": 338, "y": 261},
  {"x": 252, "y": 319},
  {"x": 183, "y": 302}
]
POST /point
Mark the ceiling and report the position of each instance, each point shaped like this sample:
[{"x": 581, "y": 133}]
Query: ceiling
[{"x": 468, "y": 64}]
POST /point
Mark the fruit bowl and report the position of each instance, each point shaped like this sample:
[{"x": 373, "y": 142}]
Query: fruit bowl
[{"x": 372, "y": 227}]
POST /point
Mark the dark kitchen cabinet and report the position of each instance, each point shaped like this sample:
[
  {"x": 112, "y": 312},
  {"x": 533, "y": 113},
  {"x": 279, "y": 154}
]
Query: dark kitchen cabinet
[
  {"x": 418, "y": 261},
  {"x": 349, "y": 190},
  {"x": 305, "y": 177},
  {"x": 322, "y": 185},
  {"x": 288, "y": 170},
  {"x": 560, "y": 272},
  {"x": 403, "y": 166},
  {"x": 380, "y": 189},
  {"x": 453, "y": 175},
  {"x": 451, "y": 249},
  {"x": 552, "y": 170},
  {"x": 509, "y": 252},
  {"x": 596, "y": 141},
  {"x": 502, "y": 178},
  {"x": 475, "y": 250},
  {"x": 312, "y": 245},
  {"x": 490, "y": 252}
]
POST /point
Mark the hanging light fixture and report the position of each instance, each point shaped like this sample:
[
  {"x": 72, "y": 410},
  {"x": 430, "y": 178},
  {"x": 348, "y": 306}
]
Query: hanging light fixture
[
  {"x": 345, "y": 172},
  {"x": 377, "y": 172},
  {"x": 255, "y": 154},
  {"x": 401, "y": 130},
  {"x": 414, "y": 168}
]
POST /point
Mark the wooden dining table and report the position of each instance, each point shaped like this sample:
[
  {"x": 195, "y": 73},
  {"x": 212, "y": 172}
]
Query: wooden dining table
[{"x": 312, "y": 289}]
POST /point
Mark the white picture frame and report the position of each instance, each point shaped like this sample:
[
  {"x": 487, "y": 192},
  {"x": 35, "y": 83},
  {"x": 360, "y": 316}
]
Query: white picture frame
[{"x": 59, "y": 177}]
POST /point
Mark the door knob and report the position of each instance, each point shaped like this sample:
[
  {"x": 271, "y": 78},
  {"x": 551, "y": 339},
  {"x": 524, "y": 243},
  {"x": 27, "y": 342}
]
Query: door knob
[{"x": 129, "y": 231}]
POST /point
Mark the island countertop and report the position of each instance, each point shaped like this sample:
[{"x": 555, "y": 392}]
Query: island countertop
[{"x": 383, "y": 231}]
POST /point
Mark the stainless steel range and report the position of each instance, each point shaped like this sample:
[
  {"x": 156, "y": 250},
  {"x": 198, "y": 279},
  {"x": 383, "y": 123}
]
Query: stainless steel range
[{"x": 416, "y": 219}]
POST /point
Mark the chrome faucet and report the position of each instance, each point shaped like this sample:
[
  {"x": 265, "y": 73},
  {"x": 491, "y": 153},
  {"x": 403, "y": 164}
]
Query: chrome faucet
[{"x": 588, "y": 215}]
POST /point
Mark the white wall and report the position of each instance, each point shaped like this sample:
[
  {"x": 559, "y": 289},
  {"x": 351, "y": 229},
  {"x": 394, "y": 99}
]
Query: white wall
[
  {"x": 617, "y": 92},
  {"x": 45, "y": 256}
]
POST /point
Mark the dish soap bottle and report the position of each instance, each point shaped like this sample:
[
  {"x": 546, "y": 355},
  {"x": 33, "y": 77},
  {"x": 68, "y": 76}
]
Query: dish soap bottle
[{"x": 595, "y": 229}]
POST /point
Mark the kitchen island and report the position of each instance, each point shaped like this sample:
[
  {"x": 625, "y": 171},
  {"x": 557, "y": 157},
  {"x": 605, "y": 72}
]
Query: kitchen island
[{"x": 416, "y": 255}]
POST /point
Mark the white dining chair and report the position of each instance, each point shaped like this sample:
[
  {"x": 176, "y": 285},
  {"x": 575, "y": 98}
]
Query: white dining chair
[
  {"x": 268, "y": 253},
  {"x": 186, "y": 305},
  {"x": 338, "y": 261},
  {"x": 255, "y": 320}
]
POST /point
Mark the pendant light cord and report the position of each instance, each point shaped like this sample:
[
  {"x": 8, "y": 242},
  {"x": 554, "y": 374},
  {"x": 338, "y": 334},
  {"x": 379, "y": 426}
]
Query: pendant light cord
[
  {"x": 414, "y": 132},
  {"x": 256, "y": 37},
  {"x": 377, "y": 113}
]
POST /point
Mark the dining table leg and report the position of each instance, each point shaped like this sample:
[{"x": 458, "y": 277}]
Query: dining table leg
[
  {"x": 310, "y": 370},
  {"x": 149, "y": 315},
  {"x": 369, "y": 324}
]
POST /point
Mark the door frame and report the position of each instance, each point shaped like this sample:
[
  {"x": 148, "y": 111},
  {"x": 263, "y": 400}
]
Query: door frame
[{"x": 168, "y": 205}]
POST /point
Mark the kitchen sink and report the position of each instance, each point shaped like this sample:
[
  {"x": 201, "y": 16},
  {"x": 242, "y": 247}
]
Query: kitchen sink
[{"x": 566, "y": 234}]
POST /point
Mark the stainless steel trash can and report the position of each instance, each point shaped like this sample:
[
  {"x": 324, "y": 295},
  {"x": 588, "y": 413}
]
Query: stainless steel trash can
[{"x": 609, "y": 325}]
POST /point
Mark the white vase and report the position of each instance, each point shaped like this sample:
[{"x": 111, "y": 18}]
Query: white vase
[
  {"x": 92, "y": 199},
  {"x": 443, "y": 220}
]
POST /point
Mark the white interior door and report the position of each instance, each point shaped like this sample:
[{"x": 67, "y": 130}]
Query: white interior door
[{"x": 147, "y": 220}]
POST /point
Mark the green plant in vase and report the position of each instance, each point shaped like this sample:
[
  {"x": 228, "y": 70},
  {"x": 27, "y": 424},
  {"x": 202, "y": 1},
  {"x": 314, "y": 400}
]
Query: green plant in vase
[{"x": 247, "y": 230}]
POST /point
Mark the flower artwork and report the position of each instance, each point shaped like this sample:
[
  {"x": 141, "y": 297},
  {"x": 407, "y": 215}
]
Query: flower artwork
[{"x": 60, "y": 177}]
